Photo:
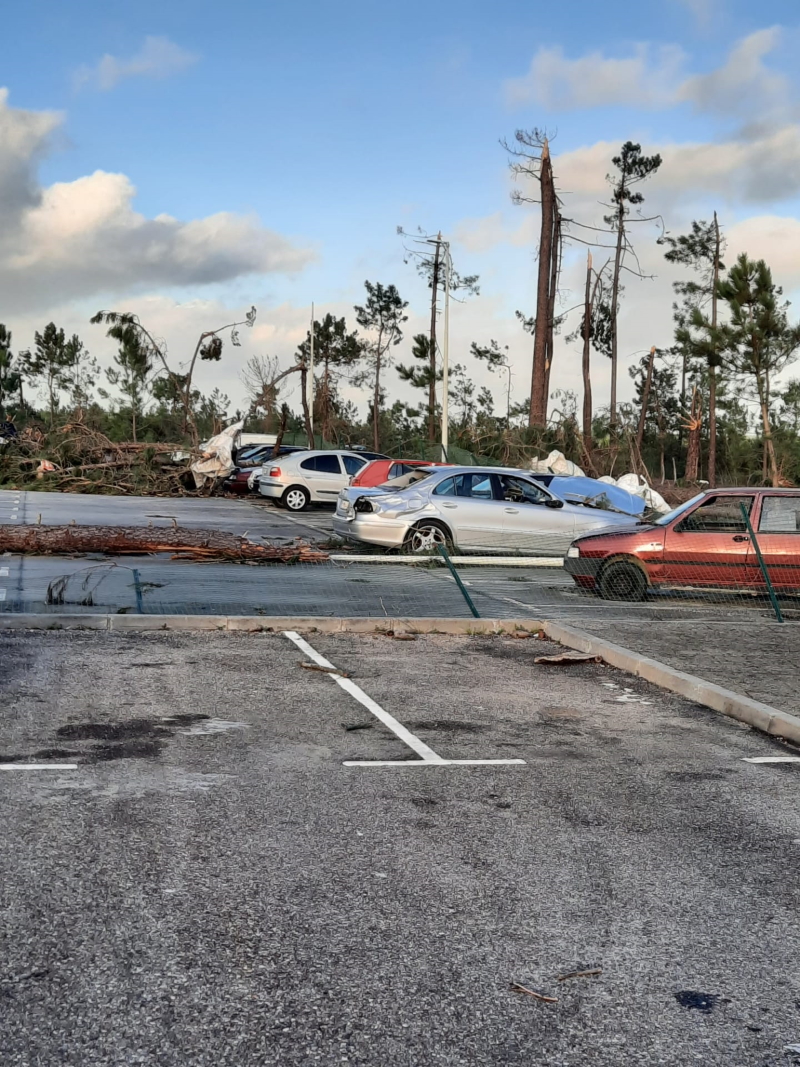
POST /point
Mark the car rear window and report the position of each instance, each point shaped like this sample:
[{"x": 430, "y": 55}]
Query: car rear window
[
  {"x": 323, "y": 464},
  {"x": 352, "y": 464},
  {"x": 780, "y": 514}
]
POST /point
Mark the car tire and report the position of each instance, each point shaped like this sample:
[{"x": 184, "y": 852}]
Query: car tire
[
  {"x": 296, "y": 498},
  {"x": 425, "y": 537},
  {"x": 621, "y": 580}
]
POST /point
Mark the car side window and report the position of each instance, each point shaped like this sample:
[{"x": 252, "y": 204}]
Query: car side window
[
  {"x": 719, "y": 514},
  {"x": 446, "y": 488},
  {"x": 309, "y": 464},
  {"x": 780, "y": 514},
  {"x": 519, "y": 491},
  {"x": 351, "y": 463}
]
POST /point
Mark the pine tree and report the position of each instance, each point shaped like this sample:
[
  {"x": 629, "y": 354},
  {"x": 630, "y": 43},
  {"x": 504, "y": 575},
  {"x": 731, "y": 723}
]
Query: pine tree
[
  {"x": 632, "y": 168},
  {"x": 381, "y": 314},
  {"x": 758, "y": 340}
]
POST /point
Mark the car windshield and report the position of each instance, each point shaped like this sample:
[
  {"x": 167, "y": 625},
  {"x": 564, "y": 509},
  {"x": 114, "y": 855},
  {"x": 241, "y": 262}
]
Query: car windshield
[{"x": 665, "y": 520}]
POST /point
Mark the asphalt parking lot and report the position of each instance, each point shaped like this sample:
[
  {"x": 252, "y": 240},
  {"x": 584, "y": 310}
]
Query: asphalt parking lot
[{"x": 240, "y": 868}]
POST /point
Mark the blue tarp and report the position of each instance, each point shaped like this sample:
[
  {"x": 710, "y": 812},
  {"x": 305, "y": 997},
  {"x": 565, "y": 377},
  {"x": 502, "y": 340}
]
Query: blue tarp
[{"x": 584, "y": 490}]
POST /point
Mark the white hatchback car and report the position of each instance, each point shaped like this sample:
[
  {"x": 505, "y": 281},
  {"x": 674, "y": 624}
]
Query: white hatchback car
[{"x": 295, "y": 481}]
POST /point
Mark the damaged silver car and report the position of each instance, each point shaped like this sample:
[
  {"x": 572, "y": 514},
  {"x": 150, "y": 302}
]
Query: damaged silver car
[{"x": 483, "y": 509}]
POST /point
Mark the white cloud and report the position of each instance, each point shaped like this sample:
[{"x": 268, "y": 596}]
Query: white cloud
[
  {"x": 645, "y": 79},
  {"x": 654, "y": 78},
  {"x": 157, "y": 58},
  {"x": 701, "y": 10},
  {"x": 75, "y": 239},
  {"x": 743, "y": 83},
  {"x": 763, "y": 169}
]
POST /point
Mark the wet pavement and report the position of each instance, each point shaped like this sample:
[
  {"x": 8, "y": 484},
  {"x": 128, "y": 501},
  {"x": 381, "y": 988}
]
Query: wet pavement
[
  {"x": 211, "y": 885},
  {"x": 339, "y": 587}
]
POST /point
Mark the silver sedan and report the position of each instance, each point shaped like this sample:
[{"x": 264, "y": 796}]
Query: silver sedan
[{"x": 483, "y": 509}]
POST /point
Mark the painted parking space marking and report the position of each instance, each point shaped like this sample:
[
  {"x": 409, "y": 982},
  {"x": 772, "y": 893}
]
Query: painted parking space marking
[
  {"x": 771, "y": 759},
  {"x": 427, "y": 757},
  {"x": 38, "y": 766}
]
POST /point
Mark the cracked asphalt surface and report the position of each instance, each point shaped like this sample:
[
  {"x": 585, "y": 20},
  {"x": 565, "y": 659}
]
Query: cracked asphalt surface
[{"x": 211, "y": 887}]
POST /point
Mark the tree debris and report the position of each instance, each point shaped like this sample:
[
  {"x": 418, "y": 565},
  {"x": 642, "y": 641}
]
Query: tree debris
[
  {"x": 565, "y": 658},
  {"x": 517, "y": 988},
  {"x": 324, "y": 670},
  {"x": 579, "y": 974},
  {"x": 205, "y": 545}
]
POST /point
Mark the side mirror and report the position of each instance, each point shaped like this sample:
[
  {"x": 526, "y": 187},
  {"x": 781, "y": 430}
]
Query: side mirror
[{"x": 551, "y": 503}]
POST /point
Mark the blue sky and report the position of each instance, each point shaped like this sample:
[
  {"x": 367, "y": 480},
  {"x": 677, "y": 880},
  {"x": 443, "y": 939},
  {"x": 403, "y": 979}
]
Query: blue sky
[{"x": 330, "y": 124}]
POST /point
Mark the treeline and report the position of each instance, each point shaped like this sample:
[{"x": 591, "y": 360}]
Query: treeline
[{"x": 708, "y": 401}]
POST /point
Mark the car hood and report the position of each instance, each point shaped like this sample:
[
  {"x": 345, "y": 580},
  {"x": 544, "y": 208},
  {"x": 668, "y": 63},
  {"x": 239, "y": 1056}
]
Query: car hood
[{"x": 634, "y": 530}]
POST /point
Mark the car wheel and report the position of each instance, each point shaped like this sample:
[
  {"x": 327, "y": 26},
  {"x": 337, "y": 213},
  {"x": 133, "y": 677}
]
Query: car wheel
[
  {"x": 296, "y": 498},
  {"x": 426, "y": 537},
  {"x": 622, "y": 581}
]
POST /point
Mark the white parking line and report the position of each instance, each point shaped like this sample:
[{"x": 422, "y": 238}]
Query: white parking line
[
  {"x": 38, "y": 766},
  {"x": 2, "y": 594},
  {"x": 771, "y": 759},
  {"x": 427, "y": 756}
]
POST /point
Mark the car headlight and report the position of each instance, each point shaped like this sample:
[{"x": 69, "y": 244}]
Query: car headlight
[{"x": 573, "y": 552}]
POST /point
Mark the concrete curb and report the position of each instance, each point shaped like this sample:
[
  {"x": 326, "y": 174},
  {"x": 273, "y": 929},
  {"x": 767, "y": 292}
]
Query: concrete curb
[
  {"x": 753, "y": 712},
  {"x": 264, "y": 623}
]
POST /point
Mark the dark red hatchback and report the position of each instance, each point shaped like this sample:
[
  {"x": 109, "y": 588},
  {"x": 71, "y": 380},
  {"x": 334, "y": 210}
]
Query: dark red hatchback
[{"x": 703, "y": 543}]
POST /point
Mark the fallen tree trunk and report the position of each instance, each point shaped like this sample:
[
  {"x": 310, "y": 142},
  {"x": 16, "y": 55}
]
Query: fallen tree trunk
[{"x": 206, "y": 545}]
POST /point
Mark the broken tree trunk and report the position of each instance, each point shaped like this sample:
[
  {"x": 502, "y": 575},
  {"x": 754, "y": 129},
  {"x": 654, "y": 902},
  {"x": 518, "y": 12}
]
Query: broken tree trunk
[
  {"x": 587, "y": 342},
  {"x": 694, "y": 425},
  {"x": 141, "y": 540},
  {"x": 645, "y": 400},
  {"x": 555, "y": 265},
  {"x": 538, "y": 409}
]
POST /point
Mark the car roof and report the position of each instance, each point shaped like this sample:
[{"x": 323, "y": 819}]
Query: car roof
[{"x": 733, "y": 491}]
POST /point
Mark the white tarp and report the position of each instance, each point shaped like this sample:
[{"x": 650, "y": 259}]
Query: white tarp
[
  {"x": 217, "y": 458},
  {"x": 556, "y": 463}
]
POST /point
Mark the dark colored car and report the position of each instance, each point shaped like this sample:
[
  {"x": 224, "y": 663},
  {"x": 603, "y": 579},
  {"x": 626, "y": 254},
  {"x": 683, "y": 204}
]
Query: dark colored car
[
  {"x": 254, "y": 455},
  {"x": 249, "y": 460},
  {"x": 704, "y": 543}
]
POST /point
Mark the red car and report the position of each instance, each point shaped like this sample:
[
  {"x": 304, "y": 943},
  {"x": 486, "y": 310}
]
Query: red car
[
  {"x": 381, "y": 471},
  {"x": 703, "y": 543}
]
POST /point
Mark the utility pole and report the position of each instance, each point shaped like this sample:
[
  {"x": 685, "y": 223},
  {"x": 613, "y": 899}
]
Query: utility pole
[
  {"x": 448, "y": 266},
  {"x": 311, "y": 377},
  {"x": 432, "y": 341}
]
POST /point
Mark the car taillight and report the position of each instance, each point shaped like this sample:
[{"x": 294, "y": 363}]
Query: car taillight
[{"x": 275, "y": 472}]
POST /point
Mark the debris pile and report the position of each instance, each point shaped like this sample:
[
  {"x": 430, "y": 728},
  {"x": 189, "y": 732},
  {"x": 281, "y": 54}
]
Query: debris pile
[
  {"x": 182, "y": 543},
  {"x": 78, "y": 459}
]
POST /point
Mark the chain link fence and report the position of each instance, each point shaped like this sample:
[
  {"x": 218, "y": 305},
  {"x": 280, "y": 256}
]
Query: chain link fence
[{"x": 723, "y": 553}]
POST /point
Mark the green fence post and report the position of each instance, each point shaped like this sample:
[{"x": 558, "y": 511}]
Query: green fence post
[
  {"x": 457, "y": 577},
  {"x": 775, "y": 605},
  {"x": 137, "y": 585}
]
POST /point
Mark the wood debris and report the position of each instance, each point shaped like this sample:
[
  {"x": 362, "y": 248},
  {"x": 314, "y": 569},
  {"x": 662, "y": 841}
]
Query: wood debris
[
  {"x": 565, "y": 658},
  {"x": 324, "y": 670},
  {"x": 517, "y": 988},
  {"x": 181, "y": 543},
  {"x": 579, "y": 974}
]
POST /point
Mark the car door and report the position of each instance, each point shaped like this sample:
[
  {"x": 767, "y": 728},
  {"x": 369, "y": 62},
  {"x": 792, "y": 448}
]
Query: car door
[
  {"x": 709, "y": 545},
  {"x": 778, "y": 536},
  {"x": 467, "y": 503},
  {"x": 324, "y": 476},
  {"x": 532, "y": 520}
]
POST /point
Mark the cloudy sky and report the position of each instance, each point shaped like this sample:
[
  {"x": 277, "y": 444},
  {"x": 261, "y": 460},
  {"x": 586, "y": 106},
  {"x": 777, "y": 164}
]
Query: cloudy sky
[{"x": 187, "y": 160}]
